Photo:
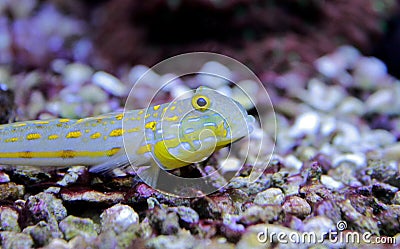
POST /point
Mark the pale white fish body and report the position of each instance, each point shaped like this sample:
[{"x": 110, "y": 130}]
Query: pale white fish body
[
  {"x": 171, "y": 135},
  {"x": 66, "y": 142}
]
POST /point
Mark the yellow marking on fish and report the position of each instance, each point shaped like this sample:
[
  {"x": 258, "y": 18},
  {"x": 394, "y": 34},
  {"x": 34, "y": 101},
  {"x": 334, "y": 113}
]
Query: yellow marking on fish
[
  {"x": 67, "y": 154},
  {"x": 95, "y": 135},
  {"x": 171, "y": 143},
  {"x": 156, "y": 107},
  {"x": 80, "y": 120},
  {"x": 33, "y": 136},
  {"x": 167, "y": 160},
  {"x": 74, "y": 134},
  {"x": 41, "y": 122},
  {"x": 133, "y": 130},
  {"x": 141, "y": 112},
  {"x": 155, "y": 114},
  {"x": 105, "y": 138},
  {"x": 174, "y": 118},
  {"x": 173, "y": 108},
  {"x": 13, "y": 139},
  {"x": 147, "y": 115},
  {"x": 143, "y": 149},
  {"x": 221, "y": 131},
  {"x": 61, "y": 125},
  {"x": 53, "y": 137},
  {"x": 59, "y": 154},
  {"x": 63, "y": 120},
  {"x": 119, "y": 116},
  {"x": 116, "y": 133},
  {"x": 113, "y": 151},
  {"x": 19, "y": 125},
  {"x": 87, "y": 131},
  {"x": 24, "y": 154},
  {"x": 151, "y": 125}
]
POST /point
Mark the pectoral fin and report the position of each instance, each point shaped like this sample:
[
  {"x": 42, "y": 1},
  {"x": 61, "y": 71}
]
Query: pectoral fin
[
  {"x": 119, "y": 160},
  {"x": 149, "y": 174}
]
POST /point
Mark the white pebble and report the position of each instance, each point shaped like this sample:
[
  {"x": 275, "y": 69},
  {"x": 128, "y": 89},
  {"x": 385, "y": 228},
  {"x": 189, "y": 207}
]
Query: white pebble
[
  {"x": 52, "y": 190},
  {"x": 92, "y": 94},
  {"x": 331, "y": 183},
  {"x": 214, "y": 75},
  {"x": 368, "y": 72},
  {"x": 119, "y": 218},
  {"x": 384, "y": 101},
  {"x": 330, "y": 65},
  {"x": 378, "y": 138},
  {"x": 102, "y": 107},
  {"x": 392, "y": 152},
  {"x": 271, "y": 196},
  {"x": 231, "y": 164},
  {"x": 167, "y": 82},
  {"x": 58, "y": 65},
  {"x": 328, "y": 126},
  {"x": 109, "y": 83},
  {"x": 69, "y": 94},
  {"x": 348, "y": 136},
  {"x": 306, "y": 124},
  {"x": 292, "y": 162},
  {"x": 349, "y": 54},
  {"x": 250, "y": 87},
  {"x": 54, "y": 107},
  {"x": 357, "y": 159},
  {"x": 180, "y": 91},
  {"x": 37, "y": 103},
  {"x": 345, "y": 79},
  {"x": 4, "y": 177},
  {"x": 322, "y": 97},
  {"x": 76, "y": 74},
  {"x": 146, "y": 76},
  {"x": 351, "y": 105},
  {"x": 225, "y": 90},
  {"x": 334, "y": 65}
]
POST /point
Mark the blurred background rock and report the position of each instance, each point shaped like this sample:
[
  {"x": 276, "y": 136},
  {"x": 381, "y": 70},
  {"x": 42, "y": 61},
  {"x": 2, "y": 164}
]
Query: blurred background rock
[{"x": 265, "y": 35}]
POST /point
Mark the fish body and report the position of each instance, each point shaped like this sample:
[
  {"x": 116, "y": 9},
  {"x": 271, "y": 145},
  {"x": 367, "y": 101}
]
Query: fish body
[{"x": 166, "y": 136}]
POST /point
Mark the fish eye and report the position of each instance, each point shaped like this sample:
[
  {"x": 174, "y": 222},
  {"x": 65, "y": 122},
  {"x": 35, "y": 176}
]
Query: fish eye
[{"x": 200, "y": 102}]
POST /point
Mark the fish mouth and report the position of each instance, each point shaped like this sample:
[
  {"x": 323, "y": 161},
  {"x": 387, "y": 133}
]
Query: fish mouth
[{"x": 250, "y": 121}]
